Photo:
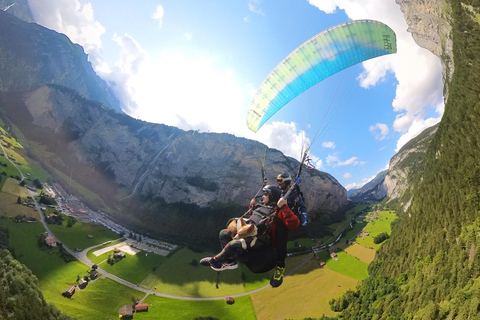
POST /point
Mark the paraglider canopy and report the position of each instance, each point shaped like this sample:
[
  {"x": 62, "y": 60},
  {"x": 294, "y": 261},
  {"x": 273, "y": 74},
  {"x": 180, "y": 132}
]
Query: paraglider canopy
[{"x": 318, "y": 58}]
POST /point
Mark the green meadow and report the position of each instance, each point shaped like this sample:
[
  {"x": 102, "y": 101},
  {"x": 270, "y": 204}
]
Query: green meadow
[
  {"x": 379, "y": 224},
  {"x": 77, "y": 235},
  {"x": 305, "y": 293},
  {"x": 173, "y": 309}
]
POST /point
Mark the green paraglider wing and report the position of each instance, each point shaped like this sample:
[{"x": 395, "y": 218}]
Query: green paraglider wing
[{"x": 318, "y": 58}]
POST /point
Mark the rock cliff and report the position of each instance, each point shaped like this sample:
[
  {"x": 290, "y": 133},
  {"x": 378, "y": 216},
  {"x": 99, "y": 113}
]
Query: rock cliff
[
  {"x": 138, "y": 172},
  {"x": 31, "y": 56}
]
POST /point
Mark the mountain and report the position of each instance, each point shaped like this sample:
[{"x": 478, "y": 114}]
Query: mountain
[
  {"x": 17, "y": 8},
  {"x": 394, "y": 185},
  {"x": 371, "y": 191},
  {"x": 137, "y": 172},
  {"x": 32, "y": 55},
  {"x": 430, "y": 266}
]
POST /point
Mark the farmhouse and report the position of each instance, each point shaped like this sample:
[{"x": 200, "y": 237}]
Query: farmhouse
[
  {"x": 69, "y": 292},
  {"x": 82, "y": 283},
  {"x": 230, "y": 300},
  {"x": 125, "y": 312},
  {"x": 51, "y": 241},
  {"x": 334, "y": 255},
  {"x": 93, "y": 274},
  {"x": 141, "y": 307}
]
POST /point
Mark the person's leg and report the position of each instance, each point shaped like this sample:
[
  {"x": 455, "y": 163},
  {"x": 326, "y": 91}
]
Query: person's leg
[
  {"x": 281, "y": 239},
  {"x": 224, "y": 237}
]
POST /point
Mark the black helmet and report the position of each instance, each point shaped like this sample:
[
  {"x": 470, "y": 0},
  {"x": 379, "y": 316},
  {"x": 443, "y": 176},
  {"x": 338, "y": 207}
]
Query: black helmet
[
  {"x": 274, "y": 193},
  {"x": 284, "y": 177}
]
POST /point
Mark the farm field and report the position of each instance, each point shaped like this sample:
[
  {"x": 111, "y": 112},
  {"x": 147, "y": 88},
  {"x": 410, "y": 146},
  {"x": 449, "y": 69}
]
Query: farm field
[
  {"x": 172, "y": 309},
  {"x": 305, "y": 293},
  {"x": 302, "y": 295},
  {"x": 360, "y": 252}
]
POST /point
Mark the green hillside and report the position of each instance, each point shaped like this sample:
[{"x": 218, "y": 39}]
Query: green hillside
[{"x": 430, "y": 267}]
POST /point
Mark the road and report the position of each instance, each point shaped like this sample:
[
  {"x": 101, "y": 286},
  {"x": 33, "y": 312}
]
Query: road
[{"x": 82, "y": 257}]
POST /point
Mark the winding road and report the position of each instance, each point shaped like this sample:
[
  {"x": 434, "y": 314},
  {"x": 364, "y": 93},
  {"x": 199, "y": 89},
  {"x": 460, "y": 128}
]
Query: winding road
[{"x": 82, "y": 257}]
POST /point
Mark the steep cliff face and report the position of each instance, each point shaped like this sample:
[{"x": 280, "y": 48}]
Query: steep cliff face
[
  {"x": 430, "y": 25},
  {"x": 31, "y": 56},
  {"x": 153, "y": 160},
  {"x": 405, "y": 166}
]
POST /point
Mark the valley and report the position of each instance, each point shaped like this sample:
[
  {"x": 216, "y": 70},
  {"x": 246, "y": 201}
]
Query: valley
[{"x": 174, "y": 279}]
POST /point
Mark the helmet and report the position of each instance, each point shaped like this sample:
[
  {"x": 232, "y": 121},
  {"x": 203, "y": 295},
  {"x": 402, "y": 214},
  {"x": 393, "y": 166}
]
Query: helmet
[
  {"x": 284, "y": 177},
  {"x": 274, "y": 193}
]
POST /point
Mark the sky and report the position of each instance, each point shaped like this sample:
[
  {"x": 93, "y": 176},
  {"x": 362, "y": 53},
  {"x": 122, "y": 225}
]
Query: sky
[{"x": 196, "y": 65}]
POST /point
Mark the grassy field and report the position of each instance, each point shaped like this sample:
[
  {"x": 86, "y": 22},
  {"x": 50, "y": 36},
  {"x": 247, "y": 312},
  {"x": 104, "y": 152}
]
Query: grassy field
[
  {"x": 178, "y": 276},
  {"x": 77, "y": 235},
  {"x": 304, "y": 294},
  {"x": 375, "y": 227},
  {"x": 171, "y": 309},
  {"x": 360, "y": 252},
  {"x": 9, "y": 207},
  {"x": 133, "y": 268}
]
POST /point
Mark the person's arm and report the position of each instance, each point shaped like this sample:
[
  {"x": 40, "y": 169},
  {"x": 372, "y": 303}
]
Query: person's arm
[
  {"x": 302, "y": 211},
  {"x": 289, "y": 219}
]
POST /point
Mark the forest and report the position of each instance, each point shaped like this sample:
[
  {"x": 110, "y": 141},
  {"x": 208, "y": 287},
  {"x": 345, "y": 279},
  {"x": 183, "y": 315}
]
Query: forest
[
  {"x": 20, "y": 296},
  {"x": 430, "y": 267}
]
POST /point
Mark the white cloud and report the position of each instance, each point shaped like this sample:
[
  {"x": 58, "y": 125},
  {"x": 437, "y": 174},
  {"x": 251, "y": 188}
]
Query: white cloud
[
  {"x": 188, "y": 36},
  {"x": 380, "y": 131},
  {"x": 328, "y": 144},
  {"x": 333, "y": 160},
  {"x": 291, "y": 141},
  {"x": 352, "y": 161},
  {"x": 158, "y": 15},
  {"x": 347, "y": 175},
  {"x": 253, "y": 6},
  {"x": 74, "y": 19}
]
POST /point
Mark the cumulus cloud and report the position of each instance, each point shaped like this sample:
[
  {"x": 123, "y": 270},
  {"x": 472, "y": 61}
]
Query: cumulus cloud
[
  {"x": 158, "y": 15},
  {"x": 328, "y": 144},
  {"x": 380, "y": 131},
  {"x": 347, "y": 175},
  {"x": 291, "y": 141},
  {"x": 334, "y": 160}
]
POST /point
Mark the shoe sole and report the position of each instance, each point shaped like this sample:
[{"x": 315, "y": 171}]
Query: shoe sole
[
  {"x": 225, "y": 267},
  {"x": 205, "y": 261}
]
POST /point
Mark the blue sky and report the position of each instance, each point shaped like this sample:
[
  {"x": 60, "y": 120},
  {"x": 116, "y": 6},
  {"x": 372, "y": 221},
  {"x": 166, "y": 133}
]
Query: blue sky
[{"x": 197, "y": 64}]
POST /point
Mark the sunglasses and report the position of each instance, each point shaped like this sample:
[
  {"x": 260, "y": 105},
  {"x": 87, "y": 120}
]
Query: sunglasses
[{"x": 280, "y": 180}]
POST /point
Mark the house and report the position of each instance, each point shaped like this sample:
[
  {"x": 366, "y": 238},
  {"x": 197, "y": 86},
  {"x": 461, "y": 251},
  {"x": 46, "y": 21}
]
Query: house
[
  {"x": 69, "y": 292},
  {"x": 51, "y": 241},
  {"x": 125, "y": 312},
  {"x": 93, "y": 274},
  {"x": 322, "y": 263},
  {"x": 82, "y": 283},
  {"x": 334, "y": 255},
  {"x": 141, "y": 307},
  {"x": 230, "y": 300}
]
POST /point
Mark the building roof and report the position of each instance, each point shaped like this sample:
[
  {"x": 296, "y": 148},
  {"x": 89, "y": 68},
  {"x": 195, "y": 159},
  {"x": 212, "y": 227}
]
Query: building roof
[
  {"x": 126, "y": 310},
  {"x": 141, "y": 306},
  {"x": 50, "y": 240}
]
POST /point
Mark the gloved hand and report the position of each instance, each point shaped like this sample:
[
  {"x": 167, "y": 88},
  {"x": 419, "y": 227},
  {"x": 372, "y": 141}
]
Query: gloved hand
[{"x": 303, "y": 215}]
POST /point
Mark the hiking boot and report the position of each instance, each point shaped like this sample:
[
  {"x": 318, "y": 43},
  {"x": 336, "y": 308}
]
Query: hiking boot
[
  {"x": 220, "y": 266},
  {"x": 206, "y": 261},
  {"x": 277, "y": 277}
]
